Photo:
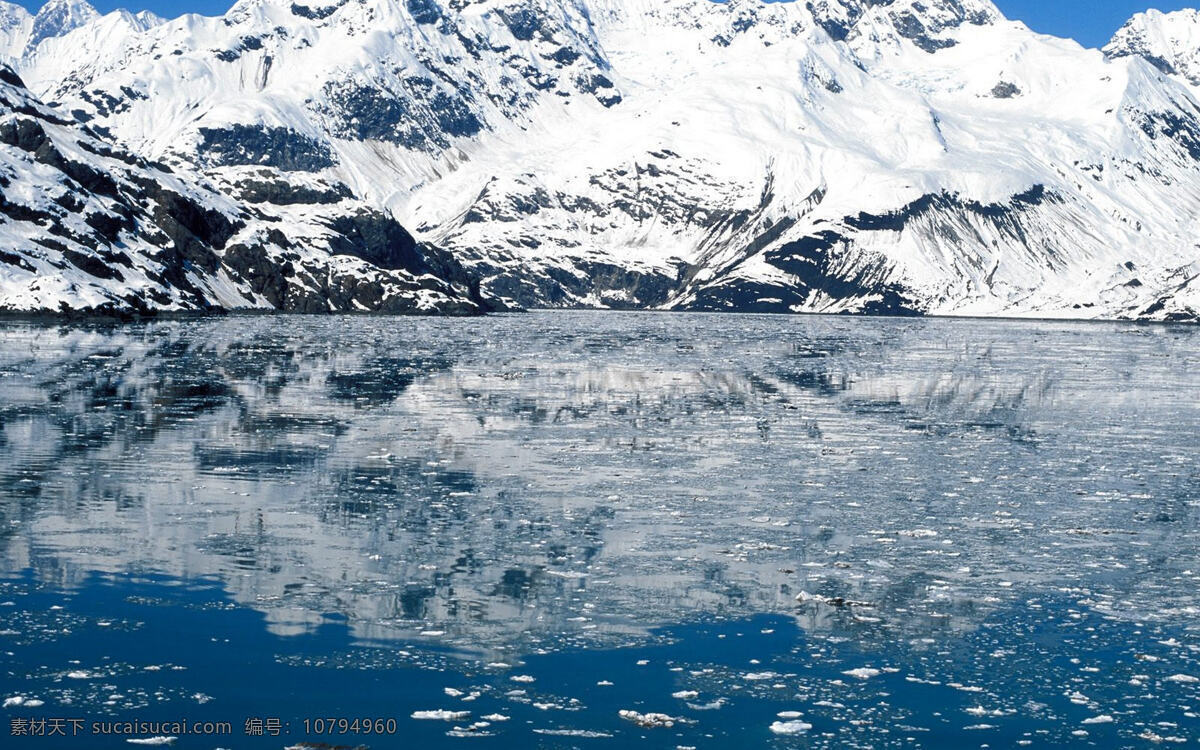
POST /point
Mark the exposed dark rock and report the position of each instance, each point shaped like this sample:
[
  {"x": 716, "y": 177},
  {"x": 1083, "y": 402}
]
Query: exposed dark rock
[
  {"x": 895, "y": 221},
  {"x": 1005, "y": 90},
  {"x": 523, "y": 22},
  {"x": 284, "y": 193},
  {"x": 278, "y": 147},
  {"x": 92, "y": 265},
  {"x": 423, "y": 114},
  {"x": 377, "y": 239},
  {"x": 1184, "y": 130},
  {"x": 9, "y": 76},
  {"x": 424, "y": 11},
  {"x": 314, "y": 14}
]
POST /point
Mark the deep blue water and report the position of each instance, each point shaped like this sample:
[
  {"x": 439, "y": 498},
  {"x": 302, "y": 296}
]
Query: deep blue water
[
  {"x": 895, "y": 533},
  {"x": 1020, "y": 676}
]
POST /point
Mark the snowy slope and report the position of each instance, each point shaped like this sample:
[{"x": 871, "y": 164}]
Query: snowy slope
[
  {"x": 16, "y": 24},
  {"x": 838, "y": 155},
  {"x": 89, "y": 227}
]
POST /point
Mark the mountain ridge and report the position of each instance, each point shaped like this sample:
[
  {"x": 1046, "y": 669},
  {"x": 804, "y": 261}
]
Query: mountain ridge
[{"x": 832, "y": 156}]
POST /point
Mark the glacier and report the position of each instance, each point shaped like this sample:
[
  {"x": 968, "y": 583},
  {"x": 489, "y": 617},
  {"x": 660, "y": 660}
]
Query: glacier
[{"x": 848, "y": 156}]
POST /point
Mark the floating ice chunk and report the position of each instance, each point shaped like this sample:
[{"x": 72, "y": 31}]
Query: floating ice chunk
[
  {"x": 160, "y": 740},
  {"x": 476, "y": 729},
  {"x": 789, "y": 714},
  {"x": 790, "y": 727},
  {"x": 604, "y": 683},
  {"x": 441, "y": 714},
  {"x": 834, "y": 601},
  {"x": 642, "y": 662},
  {"x": 1101, "y": 719},
  {"x": 1183, "y": 678},
  {"x": 452, "y": 692},
  {"x": 862, "y": 673},
  {"x": 16, "y": 700},
  {"x": 33, "y": 703},
  {"x": 685, "y": 695},
  {"x": 522, "y": 678},
  {"x": 1154, "y": 737},
  {"x": 495, "y": 717},
  {"x": 584, "y": 733},
  {"x": 649, "y": 720},
  {"x": 79, "y": 674},
  {"x": 759, "y": 676}
]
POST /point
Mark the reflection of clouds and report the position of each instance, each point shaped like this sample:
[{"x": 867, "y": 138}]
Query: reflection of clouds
[{"x": 511, "y": 481}]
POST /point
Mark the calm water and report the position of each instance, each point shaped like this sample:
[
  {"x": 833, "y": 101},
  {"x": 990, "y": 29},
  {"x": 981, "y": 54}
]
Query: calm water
[{"x": 777, "y": 531}]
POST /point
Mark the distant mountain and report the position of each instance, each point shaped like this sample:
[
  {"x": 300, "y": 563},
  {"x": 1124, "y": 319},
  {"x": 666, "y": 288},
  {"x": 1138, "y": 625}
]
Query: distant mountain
[
  {"x": 86, "y": 226},
  {"x": 904, "y": 157},
  {"x": 1168, "y": 41},
  {"x": 57, "y": 17}
]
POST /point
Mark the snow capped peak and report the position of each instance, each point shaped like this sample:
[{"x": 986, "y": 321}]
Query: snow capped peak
[
  {"x": 1168, "y": 41},
  {"x": 925, "y": 24},
  {"x": 57, "y": 17},
  {"x": 15, "y": 25},
  {"x": 12, "y": 15},
  {"x": 142, "y": 20}
]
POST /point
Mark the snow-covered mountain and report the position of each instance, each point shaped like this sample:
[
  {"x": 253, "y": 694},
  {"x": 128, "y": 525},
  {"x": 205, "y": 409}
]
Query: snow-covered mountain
[
  {"x": 835, "y": 155},
  {"x": 86, "y": 226},
  {"x": 22, "y": 32},
  {"x": 1168, "y": 41}
]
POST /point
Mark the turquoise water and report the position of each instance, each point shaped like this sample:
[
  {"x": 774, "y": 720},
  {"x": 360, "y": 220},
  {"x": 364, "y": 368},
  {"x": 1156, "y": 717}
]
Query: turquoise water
[{"x": 894, "y": 533}]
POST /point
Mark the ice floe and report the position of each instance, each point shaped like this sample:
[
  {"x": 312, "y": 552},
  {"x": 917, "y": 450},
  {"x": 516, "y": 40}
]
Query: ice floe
[
  {"x": 790, "y": 727},
  {"x": 441, "y": 714},
  {"x": 648, "y": 720}
]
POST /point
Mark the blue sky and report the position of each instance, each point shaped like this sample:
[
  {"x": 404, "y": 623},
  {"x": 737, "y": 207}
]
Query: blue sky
[{"x": 1091, "y": 22}]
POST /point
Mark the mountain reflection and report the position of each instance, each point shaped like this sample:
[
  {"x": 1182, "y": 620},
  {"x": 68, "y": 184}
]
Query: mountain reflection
[{"x": 540, "y": 480}]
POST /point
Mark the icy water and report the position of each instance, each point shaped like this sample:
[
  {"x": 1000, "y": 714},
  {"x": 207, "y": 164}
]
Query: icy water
[{"x": 775, "y": 531}]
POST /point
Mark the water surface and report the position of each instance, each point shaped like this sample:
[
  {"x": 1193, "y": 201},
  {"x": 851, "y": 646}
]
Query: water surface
[{"x": 909, "y": 533}]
